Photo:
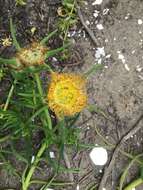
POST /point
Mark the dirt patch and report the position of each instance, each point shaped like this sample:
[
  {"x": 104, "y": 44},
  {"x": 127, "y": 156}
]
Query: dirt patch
[{"x": 117, "y": 90}]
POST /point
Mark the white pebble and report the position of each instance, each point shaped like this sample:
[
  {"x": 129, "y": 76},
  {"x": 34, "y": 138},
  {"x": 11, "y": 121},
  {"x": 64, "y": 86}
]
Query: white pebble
[
  {"x": 133, "y": 51},
  {"x": 108, "y": 56},
  {"x": 140, "y": 21},
  {"x": 87, "y": 22},
  {"x": 121, "y": 57},
  {"x": 52, "y": 155},
  {"x": 138, "y": 68},
  {"x": 127, "y": 67},
  {"x": 97, "y": 2},
  {"x": 77, "y": 187},
  {"x": 99, "y": 156},
  {"x": 100, "y": 52},
  {"x": 106, "y": 40},
  {"x": 99, "y": 27},
  {"x": 127, "y": 16},
  {"x": 96, "y": 13},
  {"x": 105, "y": 11}
]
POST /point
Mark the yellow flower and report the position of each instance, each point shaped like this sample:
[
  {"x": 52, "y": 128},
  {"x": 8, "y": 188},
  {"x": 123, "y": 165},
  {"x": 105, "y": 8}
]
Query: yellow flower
[
  {"x": 67, "y": 94},
  {"x": 33, "y": 55}
]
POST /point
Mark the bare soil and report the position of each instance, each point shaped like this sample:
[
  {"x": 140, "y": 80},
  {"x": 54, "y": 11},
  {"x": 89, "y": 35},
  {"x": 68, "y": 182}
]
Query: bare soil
[{"x": 117, "y": 89}]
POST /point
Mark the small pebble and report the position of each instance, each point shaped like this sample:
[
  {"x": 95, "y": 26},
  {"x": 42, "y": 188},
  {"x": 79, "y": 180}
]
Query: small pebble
[
  {"x": 140, "y": 21},
  {"x": 99, "y": 27},
  {"x": 99, "y": 156},
  {"x": 97, "y": 2}
]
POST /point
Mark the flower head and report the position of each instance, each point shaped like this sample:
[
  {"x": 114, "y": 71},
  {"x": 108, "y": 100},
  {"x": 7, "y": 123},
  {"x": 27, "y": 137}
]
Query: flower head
[
  {"x": 67, "y": 94},
  {"x": 33, "y": 55},
  {"x": 6, "y": 42}
]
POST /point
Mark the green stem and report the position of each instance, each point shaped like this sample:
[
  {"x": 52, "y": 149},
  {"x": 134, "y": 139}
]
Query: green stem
[
  {"x": 45, "y": 187},
  {"x": 8, "y": 61},
  {"x": 44, "y": 40},
  {"x": 126, "y": 171},
  {"x": 48, "y": 67},
  {"x": 3, "y": 139},
  {"x": 13, "y": 34},
  {"x": 134, "y": 184},
  {"x": 9, "y": 97},
  {"x": 46, "y": 111},
  {"x": 93, "y": 69},
  {"x": 50, "y": 53},
  {"x": 33, "y": 167},
  {"x": 68, "y": 26},
  {"x": 54, "y": 183}
]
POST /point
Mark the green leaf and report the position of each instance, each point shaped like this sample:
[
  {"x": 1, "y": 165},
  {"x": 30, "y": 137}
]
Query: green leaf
[
  {"x": 13, "y": 34},
  {"x": 124, "y": 175},
  {"x": 44, "y": 40},
  {"x": 141, "y": 172},
  {"x": 50, "y": 53},
  {"x": 93, "y": 69},
  {"x": 95, "y": 108}
]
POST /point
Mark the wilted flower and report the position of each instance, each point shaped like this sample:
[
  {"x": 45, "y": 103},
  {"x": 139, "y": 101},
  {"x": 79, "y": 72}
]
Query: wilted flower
[
  {"x": 67, "y": 94},
  {"x": 33, "y": 55}
]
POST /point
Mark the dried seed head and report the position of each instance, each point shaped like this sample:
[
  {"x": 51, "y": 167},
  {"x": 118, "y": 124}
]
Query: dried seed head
[{"x": 33, "y": 55}]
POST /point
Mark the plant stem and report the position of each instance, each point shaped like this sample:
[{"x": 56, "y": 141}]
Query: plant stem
[
  {"x": 68, "y": 26},
  {"x": 93, "y": 69},
  {"x": 50, "y": 53},
  {"x": 44, "y": 40},
  {"x": 9, "y": 97},
  {"x": 48, "y": 67},
  {"x": 13, "y": 34},
  {"x": 27, "y": 179},
  {"x": 5, "y": 138},
  {"x": 33, "y": 167},
  {"x": 46, "y": 111},
  {"x": 54, "y": 183},
  {"x": 134, "y": 184},
  {"x": 11, "y": 61}
]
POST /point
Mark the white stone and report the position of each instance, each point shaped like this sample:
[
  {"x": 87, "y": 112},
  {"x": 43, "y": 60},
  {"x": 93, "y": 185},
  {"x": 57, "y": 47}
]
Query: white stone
[
  {"x": 100, "y": 52},
  {"x": 99, "y": 27},
  {"x": 99, "y": 156},
  {"x": 121, "y": 57},
  {"x": 105, "y": 11},
  {"x": 52, "y": 155},
  {"x": 96, "y": 13},
  {"x": 127, "y": 67},
  {"x": 140, "y": 21},
  {"x": 77, "y": 187},
  {"x": 97, "y": 2},
  {"x": 87, "y": 22}
]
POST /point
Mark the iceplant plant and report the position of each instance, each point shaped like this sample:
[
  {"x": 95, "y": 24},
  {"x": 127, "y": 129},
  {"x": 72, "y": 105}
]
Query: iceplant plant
[
  {"x": 66, "y": 93},
  {"x": 66, "y": 96},
  {"x": 34, "y": 54},
  {"x": 30, "y": 57}
]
